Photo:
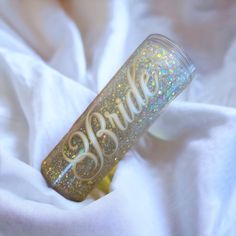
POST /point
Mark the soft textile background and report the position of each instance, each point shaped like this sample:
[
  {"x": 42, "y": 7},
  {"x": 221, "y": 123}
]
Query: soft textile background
[{"x": 56, "y": 56}]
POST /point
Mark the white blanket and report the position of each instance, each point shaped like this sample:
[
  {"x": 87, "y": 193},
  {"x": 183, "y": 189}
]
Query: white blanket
[{"x": 54, "y": 59}]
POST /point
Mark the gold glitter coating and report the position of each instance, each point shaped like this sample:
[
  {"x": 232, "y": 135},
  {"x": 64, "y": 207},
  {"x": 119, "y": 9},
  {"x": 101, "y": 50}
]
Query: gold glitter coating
[{"x": 152, "y": 77}]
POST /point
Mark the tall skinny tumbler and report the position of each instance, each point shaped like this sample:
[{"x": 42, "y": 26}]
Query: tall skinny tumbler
[{"x": 151, "y": 78}]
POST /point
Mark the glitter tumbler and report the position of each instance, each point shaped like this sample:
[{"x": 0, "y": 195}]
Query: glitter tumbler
[{"x": 151, "y": 78}]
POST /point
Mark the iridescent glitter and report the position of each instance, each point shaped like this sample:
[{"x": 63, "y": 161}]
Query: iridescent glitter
[{"x": 152, "y": 77}]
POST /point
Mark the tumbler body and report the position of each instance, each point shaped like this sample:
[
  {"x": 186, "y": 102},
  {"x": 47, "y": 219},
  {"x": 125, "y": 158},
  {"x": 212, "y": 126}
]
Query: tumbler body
[{"x": 152, "y": 77}]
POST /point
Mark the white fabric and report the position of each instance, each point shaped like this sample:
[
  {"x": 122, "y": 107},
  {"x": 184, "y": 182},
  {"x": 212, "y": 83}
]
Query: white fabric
[{"x": 56, "y": 56}]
